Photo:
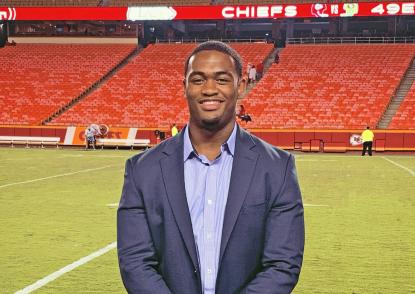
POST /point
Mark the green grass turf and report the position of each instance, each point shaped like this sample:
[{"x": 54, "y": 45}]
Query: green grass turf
[{"x": 362, "y": 240}]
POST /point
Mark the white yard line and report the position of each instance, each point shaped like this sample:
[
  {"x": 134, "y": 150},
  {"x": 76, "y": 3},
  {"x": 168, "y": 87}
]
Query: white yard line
[
  {"x": 327, "y": 155},
  {"x": 112, "y": 205},
  {"x": 111, "y": 156},
  {"x": 305, "y": 205},
  {"x": 16, "y": 159},
  {"x": 314, "y": 205},
  {"x": 400, "y": 165},
  {"x": 55, "y": 176},
  {"x": 315, "y": 160},
  {"x": 96, "y": 155},
  {"x": 42, "y": 282}
]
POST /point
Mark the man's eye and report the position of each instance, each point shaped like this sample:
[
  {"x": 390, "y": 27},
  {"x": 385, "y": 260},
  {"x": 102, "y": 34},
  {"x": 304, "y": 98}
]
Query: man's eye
[
  {"x": 223, "y": 81},
  {"x": 197, "y": 81}
]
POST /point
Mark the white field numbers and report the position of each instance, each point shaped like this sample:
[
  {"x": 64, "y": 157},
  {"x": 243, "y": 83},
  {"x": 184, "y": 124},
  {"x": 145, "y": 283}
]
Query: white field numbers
[{"x": 394, "y": 8}]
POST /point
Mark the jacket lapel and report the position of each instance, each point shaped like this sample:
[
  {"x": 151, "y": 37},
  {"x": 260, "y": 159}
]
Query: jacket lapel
[
  {"x": 172, "y": 168},
  {"x": 243, "y": 169}
]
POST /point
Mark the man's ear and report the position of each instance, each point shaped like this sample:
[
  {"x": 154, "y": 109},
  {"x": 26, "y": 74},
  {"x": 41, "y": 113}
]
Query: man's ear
[{"x": 241, "y": 87}]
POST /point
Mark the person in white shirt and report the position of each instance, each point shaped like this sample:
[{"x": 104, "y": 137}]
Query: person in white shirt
[{"x": 252, "y": 75}]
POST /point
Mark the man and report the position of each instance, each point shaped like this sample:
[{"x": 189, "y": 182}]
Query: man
[
  {"x": 174, "y": 130},
  {"x": 277, "y": 58},
  {"x": 367, "y": 139},
  {"x": 214, "y": 209},
  {"x": 243, "y": 116},
  {"x": 90, "y": 138},
  {"x": 252, "y": 75},
  {"x": 259, "y": 71}
]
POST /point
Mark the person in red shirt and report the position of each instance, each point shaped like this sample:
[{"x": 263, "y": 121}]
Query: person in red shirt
[{"x": 259, "y": 71}]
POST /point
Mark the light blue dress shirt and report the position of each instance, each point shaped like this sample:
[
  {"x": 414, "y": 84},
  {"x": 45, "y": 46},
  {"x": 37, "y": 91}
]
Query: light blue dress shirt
[{"x": 207, "y": 186}]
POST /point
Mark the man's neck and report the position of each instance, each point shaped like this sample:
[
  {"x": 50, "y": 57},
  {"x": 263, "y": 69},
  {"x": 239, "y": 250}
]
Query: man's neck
[{"x": 209, "y": 142}]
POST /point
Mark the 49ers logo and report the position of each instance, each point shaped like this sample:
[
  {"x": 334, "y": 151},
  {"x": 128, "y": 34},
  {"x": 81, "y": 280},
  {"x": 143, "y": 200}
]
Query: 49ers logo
[{"x": 7, "y": 13}]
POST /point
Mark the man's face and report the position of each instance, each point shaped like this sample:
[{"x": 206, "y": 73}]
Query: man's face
[{"x": 212, "y": 87}]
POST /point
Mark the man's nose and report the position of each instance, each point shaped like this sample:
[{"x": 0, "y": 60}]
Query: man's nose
[{"x": 210, "y": 87}]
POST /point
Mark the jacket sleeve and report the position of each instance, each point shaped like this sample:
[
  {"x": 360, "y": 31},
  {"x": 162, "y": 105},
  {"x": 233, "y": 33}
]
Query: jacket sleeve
[
  {"x": 284, "y": 240},
  {"x": 136, "y": 252}
]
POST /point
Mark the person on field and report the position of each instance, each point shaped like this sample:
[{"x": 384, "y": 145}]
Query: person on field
[
  {"x": 174, "y": 130},
  {"x": 367, "y": 140},
  {"x": 90, "y": 138},
  {"x": 213, "y": 210}
]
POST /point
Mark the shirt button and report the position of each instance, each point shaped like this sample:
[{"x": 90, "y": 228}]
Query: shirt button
[
  {"x": 209, "y": 271},
  {"x": 210, "y": 201}
]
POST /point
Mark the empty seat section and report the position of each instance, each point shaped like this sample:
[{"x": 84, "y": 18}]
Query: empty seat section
[
  {"x": 148, "y": 92},
  {"x": 328, "y": 86},
  {"x": 405, "y": 116},
  {"x": 38, "y": 79}
]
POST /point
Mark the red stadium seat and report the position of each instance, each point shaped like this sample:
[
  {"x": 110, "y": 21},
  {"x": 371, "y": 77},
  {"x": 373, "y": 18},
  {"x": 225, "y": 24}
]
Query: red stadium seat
[
  {"x": 39, "y": 78},
  {"x": 148, "y": 92},
  {"x": 328, "y": 86}
]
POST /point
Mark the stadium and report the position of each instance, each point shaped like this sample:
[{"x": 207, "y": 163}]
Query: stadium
[{"x": 324, "y": 71}]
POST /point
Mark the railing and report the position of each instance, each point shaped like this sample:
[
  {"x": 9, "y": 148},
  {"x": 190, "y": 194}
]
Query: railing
[
  {"x": 200, "y": 40},
  {"x": 352, "y": 40}
]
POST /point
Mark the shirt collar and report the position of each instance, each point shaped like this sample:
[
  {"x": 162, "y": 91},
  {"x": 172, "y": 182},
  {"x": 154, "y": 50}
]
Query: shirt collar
[{"x": 188, "y": 149}]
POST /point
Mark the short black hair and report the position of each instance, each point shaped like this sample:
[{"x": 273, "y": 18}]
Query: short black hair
[{"x": 217, "y": 46}]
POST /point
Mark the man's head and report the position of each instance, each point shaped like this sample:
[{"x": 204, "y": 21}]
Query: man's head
[
  {"x": 216, "y": 46},
  {"x": 213, "y": 83}
]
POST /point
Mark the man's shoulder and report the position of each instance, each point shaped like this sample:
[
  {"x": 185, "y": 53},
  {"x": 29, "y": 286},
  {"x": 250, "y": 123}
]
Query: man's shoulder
[{"x": 154, "y": 154}]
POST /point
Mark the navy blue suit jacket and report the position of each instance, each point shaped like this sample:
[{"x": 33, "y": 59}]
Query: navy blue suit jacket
[{"x": 263, "y": 232}]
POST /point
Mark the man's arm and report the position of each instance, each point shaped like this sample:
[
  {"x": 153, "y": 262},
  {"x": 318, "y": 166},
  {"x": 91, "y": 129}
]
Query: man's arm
[
  {"x": 136, "y": 253},
  {"x": 284, "y": 240}
]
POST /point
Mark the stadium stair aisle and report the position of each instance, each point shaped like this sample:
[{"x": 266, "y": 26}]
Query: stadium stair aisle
[
  {"x": 39, "y": 79},
  {"x": 267, "y": 63},
  {"x": 148, "y": 92},
  {"x": 328, "y": 86},
  {"x": 398, "y": 97},
  {"x": 405, "y": 116},
  {"x": 95, "y": 85}
]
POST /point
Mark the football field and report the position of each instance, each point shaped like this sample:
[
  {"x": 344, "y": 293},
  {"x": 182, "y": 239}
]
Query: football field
[{"x": 58, "y": 221}]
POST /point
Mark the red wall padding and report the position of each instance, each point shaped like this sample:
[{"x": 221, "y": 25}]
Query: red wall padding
[
  {"x": 305, "y": 140},
  {"x": 409, "y": 140}
]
